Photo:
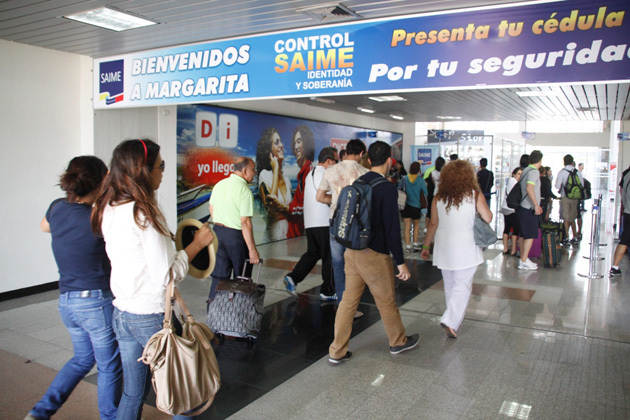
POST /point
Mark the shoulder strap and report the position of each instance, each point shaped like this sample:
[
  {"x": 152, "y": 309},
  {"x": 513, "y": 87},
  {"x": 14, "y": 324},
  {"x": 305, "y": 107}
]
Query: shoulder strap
[
  {"x": 377, "y": 181},
  {"x": 313, "y": 177}
]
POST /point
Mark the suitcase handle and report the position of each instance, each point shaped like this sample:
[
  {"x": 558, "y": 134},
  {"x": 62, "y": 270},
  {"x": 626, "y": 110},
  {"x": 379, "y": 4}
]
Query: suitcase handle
[{"x": 244, "y": 277}]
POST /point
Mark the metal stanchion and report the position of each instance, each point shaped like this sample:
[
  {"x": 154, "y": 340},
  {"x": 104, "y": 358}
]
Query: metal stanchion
[{"x": 595, "y": 223}]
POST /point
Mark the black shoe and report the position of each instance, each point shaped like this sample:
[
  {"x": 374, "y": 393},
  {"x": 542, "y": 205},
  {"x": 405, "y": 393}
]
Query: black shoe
[
  {"x": 412, "y": 341},
  {"x": 614, "y": 272},
  {"x": 346, "y": 357}
]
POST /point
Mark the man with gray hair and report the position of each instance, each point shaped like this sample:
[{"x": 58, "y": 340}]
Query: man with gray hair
[
  {"x": 231, "y": 210},
  {"x": 317, "y": 231}
]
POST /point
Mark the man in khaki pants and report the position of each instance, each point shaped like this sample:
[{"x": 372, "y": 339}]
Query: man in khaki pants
[{"x": 373, "y": 266}]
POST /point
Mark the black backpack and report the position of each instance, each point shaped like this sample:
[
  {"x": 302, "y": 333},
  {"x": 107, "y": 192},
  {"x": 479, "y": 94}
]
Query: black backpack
[
  {"x": 352, "y": 219},
  {"x": 587, "y": 190},
  {"x": 515, "y": 196}
]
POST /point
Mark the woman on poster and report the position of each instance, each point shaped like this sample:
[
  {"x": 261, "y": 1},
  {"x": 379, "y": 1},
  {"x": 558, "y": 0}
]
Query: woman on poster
[
  {"x": 274, "y": 186},
  {"x": 303, "y": 147}
]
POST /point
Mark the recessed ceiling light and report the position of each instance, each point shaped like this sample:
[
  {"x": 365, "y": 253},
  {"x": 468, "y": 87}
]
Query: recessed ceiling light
[
  {"x": 391, "y": 98},
  {"x": 368, "y": 110},
  {"x": 324, "y": 100},
  {"x": 448, "y": 117},
  {"x": 111, "y": 19},
  {"x": 397, "y": 117},
  {"x": 528, "y": 93}
]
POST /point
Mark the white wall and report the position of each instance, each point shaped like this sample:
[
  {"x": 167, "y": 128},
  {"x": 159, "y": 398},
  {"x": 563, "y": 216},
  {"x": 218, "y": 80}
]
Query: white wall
[
  {"x": 156, "y": 123},
  {"x": 45, "y": 120}
]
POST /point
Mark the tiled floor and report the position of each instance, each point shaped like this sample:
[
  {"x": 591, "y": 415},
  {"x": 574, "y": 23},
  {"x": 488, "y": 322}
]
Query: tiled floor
[{"x": 534, "y": 345}]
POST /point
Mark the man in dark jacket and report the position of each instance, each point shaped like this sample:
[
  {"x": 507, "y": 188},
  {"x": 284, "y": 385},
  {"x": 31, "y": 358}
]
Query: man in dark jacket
[
  {"x": 373, "y": 266},
  {"x": 485, "y": 178}
]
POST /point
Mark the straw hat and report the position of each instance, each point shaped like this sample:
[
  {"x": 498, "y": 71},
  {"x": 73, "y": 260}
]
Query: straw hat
[{"x": 202, "y": 265}]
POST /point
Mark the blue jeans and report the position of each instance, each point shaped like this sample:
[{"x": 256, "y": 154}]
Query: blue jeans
[
  {"x": 133, "y": 331},
  {"x": 88, "y": 318},
  {"x": 338, "y": 266}
]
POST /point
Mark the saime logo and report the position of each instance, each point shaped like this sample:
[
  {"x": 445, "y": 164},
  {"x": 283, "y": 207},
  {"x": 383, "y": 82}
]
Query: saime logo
[{"x": 111, "y": 81}]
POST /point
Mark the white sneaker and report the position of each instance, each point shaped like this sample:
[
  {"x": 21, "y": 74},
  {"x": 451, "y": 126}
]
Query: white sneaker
[
  {"x": 527, "y": 265},
  {"x": 409, "y": 248}
]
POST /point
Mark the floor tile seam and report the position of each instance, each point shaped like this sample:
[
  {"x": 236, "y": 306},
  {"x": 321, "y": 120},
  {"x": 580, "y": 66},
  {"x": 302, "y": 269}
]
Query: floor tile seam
[{"x": 553, "y": 331}]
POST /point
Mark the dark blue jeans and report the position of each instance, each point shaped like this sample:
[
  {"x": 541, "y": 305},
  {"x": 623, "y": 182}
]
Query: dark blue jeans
[
  {"x": 133, "y": 331},
  {"x": 231, "y": 256},
  {"x": 338, "y": 266},
  {"x": 88, "y": 318}
]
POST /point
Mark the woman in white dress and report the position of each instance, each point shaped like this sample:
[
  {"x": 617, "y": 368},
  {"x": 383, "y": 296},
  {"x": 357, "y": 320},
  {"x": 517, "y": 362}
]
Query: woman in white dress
[
  {"x": 455, "y": 252},
  {"x": 274, "y": 186}
]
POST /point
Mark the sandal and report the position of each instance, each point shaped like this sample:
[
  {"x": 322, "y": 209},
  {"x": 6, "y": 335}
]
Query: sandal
[{"x": 450, "y": 333}]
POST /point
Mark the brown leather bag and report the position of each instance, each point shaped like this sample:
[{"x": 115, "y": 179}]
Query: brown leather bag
[
  {"x": 185, "y": 370},
  {"x": 423, "y": 200}
]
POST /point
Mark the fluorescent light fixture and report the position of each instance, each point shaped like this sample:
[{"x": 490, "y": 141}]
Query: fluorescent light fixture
[
  {"x": 324, "y": 100},
  {"x": 448, "y": 117},
  {"x": 391, "y": 98},
  {"x": 110, "y": 19},
  {"x": 397, "y": 117},
  {"x": 528, "y": 93},
  {"x": 586, "y": 109},
  {"x": 368, "y": 110}
]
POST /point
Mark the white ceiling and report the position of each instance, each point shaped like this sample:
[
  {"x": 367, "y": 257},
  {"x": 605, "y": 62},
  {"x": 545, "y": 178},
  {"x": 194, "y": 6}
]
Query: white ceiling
[{"x": 41, "y": 23}]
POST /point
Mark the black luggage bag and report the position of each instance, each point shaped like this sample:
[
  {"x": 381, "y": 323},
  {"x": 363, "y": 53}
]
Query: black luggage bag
[
  {"x": 550, "y": 249},
  {"x": 237, "y": 308}
]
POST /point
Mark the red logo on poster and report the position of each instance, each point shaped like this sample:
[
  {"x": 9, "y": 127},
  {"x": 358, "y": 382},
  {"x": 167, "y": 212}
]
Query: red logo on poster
[{"x": 207, "y": 166}]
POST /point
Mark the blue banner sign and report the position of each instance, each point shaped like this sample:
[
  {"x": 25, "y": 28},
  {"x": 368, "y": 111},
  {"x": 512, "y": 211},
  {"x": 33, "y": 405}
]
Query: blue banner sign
[{"x": 517, "y": 44}]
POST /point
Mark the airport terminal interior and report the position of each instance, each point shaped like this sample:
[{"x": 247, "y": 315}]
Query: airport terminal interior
[{"x": 548, "y": 344}]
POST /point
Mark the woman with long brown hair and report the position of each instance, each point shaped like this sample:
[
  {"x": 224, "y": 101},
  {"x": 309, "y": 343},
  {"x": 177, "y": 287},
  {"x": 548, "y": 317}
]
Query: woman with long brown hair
[
  {"x": 454, "y": 209},
  {"x": 274, "y": 186},
  {"x": 141, "y": 250}
]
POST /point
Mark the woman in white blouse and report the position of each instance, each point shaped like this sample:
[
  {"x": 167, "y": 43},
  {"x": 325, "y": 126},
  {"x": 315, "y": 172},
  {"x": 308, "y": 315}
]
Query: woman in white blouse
[
  {"x": 142, "y": 253},
  {"x": 455, "y": 206}
]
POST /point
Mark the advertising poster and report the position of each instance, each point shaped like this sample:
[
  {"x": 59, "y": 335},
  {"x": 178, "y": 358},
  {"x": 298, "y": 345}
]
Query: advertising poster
[
  {"x": 508, "y": 45},
  {"x": 210, "y": 138},
  {"x": 425, "y": 154}
]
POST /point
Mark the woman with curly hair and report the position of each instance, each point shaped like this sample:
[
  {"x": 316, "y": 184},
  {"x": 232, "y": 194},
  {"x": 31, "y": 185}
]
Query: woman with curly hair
[
  {"x": 275, "y": 188},
  {"x": 303, "y": 148},
  {"x": 455, "y": 206}
]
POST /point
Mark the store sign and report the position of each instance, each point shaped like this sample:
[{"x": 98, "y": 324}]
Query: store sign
[
  {"x": 623, "y": 136},
  {"x": 517, "y": 44},
  {"x": 465, "y": 136}
]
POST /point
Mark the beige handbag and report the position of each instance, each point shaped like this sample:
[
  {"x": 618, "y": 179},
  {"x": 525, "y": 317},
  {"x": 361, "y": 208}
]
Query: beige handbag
[{"x": 185, "y": 370}]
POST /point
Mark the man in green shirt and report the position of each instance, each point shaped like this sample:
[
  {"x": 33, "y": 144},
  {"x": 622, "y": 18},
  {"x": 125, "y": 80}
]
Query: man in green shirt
[{"x": 231, "y": 210}]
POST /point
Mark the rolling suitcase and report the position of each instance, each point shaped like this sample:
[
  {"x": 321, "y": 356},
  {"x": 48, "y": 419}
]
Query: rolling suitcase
[
  {"x": 550, "y": 249},
  {"x": 237, "y": 308},
  {"x": 551, "y": 226}
]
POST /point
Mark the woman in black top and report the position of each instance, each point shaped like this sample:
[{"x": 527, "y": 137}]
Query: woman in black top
[{"x": 546, "y": 194}]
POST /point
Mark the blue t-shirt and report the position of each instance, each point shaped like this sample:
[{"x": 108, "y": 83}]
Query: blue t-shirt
[
  {"x": 412, "y": 189},
  {"x": 80, "y": 254}
]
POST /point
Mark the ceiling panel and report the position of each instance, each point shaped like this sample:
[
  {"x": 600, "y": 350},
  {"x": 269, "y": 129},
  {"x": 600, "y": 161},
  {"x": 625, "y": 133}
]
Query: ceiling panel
[{"x": 41, "y": 23}]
